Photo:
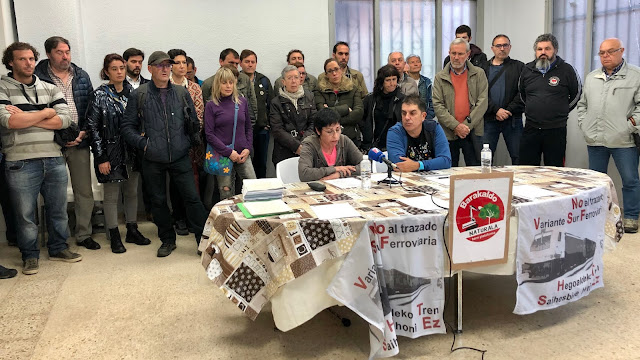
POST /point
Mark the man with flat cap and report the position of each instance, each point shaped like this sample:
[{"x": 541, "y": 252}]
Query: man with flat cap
[{"x": 160, "y": 122}]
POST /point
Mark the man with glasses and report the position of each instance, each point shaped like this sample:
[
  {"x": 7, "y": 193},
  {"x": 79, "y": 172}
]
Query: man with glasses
[
  {"x": 407, "y": 85},
  {"x": 504, "y": 112},
  {"x": 155, "y": 124},
  {"x": 460, "y": 101},
  {"x": 550, "y": 88},
  {"x": 609, "y": 117}
]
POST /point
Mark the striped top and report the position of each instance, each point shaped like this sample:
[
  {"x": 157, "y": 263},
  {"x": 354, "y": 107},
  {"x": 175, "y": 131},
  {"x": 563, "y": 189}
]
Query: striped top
[{"x": 32, "y": 142}]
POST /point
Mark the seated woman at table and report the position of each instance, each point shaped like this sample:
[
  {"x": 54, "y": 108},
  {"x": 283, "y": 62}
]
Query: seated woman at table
[
  {"x": 226, "y": 109},
  {"x": 417, "y": 144},
  {"x": 290, "y": 116},
  {"x": 328, "y": 154}
]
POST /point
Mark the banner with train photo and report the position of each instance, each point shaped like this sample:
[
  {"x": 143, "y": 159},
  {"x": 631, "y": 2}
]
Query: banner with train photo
[{"x": 560, "y": 247}]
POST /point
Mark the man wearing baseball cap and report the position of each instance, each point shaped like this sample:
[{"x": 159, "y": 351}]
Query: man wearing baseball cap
[{"x": 160, "y": 121}]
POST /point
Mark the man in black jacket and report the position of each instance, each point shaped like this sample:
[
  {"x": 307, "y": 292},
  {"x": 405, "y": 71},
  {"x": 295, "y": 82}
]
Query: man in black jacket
[
  {"x": 550, "y": 88},
  {"x": 75, "y": 85},
  {"x": 160, "y": 121},
  {"x": 504, "y": 113},
  {"x": 477, "y": 57}
]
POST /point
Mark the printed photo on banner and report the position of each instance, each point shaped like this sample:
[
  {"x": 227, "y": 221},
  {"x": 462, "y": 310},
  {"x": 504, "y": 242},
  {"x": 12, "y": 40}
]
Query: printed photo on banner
[
  {"x": 480, "y": 205},
  {"x": 560, "y": 247}
]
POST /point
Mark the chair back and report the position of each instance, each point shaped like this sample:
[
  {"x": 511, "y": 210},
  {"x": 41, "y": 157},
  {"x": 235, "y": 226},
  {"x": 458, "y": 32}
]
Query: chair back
[{"x": 287, "y": 170}]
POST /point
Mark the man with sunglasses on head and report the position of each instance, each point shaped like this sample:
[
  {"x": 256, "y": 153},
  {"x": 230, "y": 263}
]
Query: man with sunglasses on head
[
  {"x": 609, "y": 117},
  {"x": 160, "y": 121},
  {"x": 504, "y": 112}
]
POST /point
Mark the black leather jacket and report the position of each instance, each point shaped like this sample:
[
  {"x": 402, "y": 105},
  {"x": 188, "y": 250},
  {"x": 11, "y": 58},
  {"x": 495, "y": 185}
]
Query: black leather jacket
[
  {"x": 290, "y": 126},
  {"x": 104, "y": 119}
]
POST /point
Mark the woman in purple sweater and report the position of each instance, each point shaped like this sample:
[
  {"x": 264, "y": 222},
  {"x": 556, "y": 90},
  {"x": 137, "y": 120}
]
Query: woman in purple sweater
[{"x": 218, "y": 126}]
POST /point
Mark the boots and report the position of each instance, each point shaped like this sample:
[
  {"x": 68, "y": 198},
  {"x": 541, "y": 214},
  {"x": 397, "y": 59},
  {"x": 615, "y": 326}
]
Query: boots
[
  {"x": 134, "y": 236},
  {"x": 116, "y": 242}
]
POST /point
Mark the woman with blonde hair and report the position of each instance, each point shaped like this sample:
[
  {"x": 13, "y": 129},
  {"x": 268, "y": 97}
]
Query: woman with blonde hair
[{"x": 228, "y": 114}]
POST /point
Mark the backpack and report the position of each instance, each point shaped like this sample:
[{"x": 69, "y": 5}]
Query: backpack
[{"x": 192, "y": 128}]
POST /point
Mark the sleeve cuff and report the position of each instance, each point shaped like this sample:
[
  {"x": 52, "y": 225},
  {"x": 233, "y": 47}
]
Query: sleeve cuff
[{"x": 421, "y": 166}]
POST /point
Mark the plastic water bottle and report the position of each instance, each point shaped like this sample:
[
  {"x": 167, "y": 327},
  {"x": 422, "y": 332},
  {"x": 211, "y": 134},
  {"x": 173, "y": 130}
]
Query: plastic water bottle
[
  {"x": 485, "y": 158},
  {"x": 365, "y": 173}
]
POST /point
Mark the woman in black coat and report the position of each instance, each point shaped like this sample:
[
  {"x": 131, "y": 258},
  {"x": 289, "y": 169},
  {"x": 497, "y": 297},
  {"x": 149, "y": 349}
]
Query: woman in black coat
[
  {"x": 112, "y": 158},
  {"x": 382, "y": 109}
]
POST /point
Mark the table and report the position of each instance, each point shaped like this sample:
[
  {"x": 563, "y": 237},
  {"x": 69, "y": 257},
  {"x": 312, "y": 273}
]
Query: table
[{"x": 289, "y": 260}]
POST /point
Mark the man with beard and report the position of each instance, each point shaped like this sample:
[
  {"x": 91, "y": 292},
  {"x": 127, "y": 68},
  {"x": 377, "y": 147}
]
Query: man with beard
[
  {"x": 75, "y": 85},
  {"x": 134, "y": 58},
  {"x": 341, "y": 54},
  {"x": 550, "y": 89}
]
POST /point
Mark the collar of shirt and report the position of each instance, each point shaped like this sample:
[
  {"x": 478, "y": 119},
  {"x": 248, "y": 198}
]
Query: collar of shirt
[
  {"x": 347, "y": 73},
  {"x": 55, "y": 77},
  {"x": 132, "y": 81},
  {"x": 615, "y": 70},
  {"x": 184, "y": 83},
  {"x": 461, "y": 72}
]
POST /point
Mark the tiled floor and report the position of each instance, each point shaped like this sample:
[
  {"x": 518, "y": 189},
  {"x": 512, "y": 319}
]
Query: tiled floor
[{"x": 137, "y": 306}]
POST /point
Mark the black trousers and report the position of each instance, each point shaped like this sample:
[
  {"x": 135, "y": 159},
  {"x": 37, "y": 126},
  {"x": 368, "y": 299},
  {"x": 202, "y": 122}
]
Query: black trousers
[
  {"x": 550, "y": 144},
  {"x": 181, "y": 172},
  {"x": 470, "y": 147}
]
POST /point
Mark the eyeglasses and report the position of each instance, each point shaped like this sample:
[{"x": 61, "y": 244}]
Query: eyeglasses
[
  {"x": 163, "y": 66},
  {"x": 333, "y": 71},
  {"x": 610, "y": 52},
  {"x": 334, "y": 131},
  {"x": 303, "y": 73},
  {"x": 292, "y": 77},
  {"x": 502, "y": 46}
]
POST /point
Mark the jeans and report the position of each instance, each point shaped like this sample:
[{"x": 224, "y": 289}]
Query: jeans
[
  {"x": 181, "y": 172},
  {"x": 80, "y": 170},
  {"x": 28, "y": 178},
  {"x": 112, "y": 197},
  {"x": 626, "y": 160},
  {"x": 260, "y": 150},
  {"x": 7, "y": 208},
  {"x": 511, "y": 130},
  {"x": 244, "y": 170},
  {"x": 470, "y": 147}
]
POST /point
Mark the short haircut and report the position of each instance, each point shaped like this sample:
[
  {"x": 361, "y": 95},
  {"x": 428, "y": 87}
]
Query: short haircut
[
  {"x": 223, "y": 75},
  {"x": 335, "y": 47},
  {"x": 132, "y": 52},
  {"x": 325, "y": 117},
  {"x": 227, "y": 51},
  {"x": 287, "y": 69},
  {"x": 190, "y": 61},
  {"x": 457, "y": 41},
  {"x": 499, "y": 36},
  {"x": 546, "y": 37},
  {"x": 7, "y": 56},
  {"x": 326, "y": 62},
  {"x": 383, "y": 73},
  {"x": 176, "y": 52},
  {"x": 393, "y": 52},
  {"x": 294, "y": 51},
  {"x": 415, "y": 100},
  {"x": 107, "y": 61},
  {"x": 52, "y": 43},
  {"x": 246, "y": 53},
  {"x": 464, "y": 29},
  {"x": 233, "y": 69},
  {"x": 298, "y": 64},
  {"x": 413, "y": 56}
]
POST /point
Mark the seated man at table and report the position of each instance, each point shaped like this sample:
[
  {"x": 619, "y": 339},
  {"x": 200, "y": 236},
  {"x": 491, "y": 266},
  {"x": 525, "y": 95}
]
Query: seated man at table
[
  {"x": 328, "y": 154},
  {"x": 417, "y": 144}
]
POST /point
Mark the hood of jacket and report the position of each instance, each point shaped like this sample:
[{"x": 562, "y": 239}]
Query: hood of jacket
[
  {"x": 346, "y": 84},
  {"x": 43, "y": 65},
  {"x": 475, "y": 50},
  {"x": 34, "y": 82}
]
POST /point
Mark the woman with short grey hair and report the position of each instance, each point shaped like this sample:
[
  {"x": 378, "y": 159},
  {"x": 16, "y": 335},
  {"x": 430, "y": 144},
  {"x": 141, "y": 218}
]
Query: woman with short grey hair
[{"x": 290, "y": 116}]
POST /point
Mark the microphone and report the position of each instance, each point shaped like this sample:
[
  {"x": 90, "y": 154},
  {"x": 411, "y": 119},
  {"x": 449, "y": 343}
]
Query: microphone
[{"x": 376, "y": 155}]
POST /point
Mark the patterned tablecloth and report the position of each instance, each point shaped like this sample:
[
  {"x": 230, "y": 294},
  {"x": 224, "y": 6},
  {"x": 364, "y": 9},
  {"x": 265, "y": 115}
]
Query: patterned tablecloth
[{"x": 252, "y": 259}]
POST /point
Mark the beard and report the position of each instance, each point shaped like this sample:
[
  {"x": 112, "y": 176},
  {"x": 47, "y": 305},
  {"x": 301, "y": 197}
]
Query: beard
[
  {"x": 544, "y": 63},
  {"x": 133, "y": 73}
]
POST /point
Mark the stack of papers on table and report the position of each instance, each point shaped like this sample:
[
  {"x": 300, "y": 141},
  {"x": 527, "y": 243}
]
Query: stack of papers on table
[
  {"x": 262, "y": 189},
  {"x": 264, "y": 208}
]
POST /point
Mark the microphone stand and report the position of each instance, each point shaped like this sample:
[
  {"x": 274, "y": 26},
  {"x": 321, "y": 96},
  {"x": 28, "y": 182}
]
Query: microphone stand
[{"x": 390, "y": 179}]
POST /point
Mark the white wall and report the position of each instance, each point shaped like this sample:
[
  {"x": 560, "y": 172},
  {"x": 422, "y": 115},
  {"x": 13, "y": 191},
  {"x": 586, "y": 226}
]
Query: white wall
[{"x": 201, "y": 28}]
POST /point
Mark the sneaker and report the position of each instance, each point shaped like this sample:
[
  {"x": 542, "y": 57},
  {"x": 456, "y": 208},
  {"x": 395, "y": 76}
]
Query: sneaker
[
  {"x": 30, "y": 266},
  {"x": 630, "y": 226},
  {"x": 67, "y": 256},
  {"x": 166, "y": 249},
  {"x": 9, "y": 273},
  {"x": 181, "y": 228},
  {"x": 89, "y": 243}
]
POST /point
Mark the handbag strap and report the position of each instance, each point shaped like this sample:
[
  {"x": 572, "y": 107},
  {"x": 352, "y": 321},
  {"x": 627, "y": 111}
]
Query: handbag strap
[
  {"x": 235, "y": 125},
  {"x": 495, "y": 78}
]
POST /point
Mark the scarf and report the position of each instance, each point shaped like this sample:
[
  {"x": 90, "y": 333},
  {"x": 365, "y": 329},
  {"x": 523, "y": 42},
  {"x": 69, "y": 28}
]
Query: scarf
[{"x": 292, "y": 96}]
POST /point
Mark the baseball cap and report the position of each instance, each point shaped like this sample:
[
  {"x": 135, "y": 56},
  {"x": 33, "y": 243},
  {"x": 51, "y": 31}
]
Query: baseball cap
[{"x": 157, "y": 57}]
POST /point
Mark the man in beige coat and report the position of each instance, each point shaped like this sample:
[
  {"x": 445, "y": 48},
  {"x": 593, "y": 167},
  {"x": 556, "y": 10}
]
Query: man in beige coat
[
  {"x": 341, "y": 54},
  {"x": 460, "y": 100}
]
